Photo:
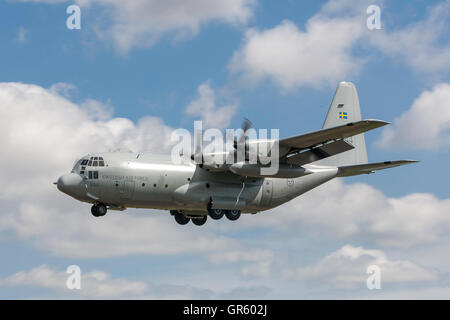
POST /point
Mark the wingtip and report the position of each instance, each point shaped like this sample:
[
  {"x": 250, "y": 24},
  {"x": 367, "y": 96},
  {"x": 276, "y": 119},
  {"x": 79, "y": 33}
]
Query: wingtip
[{"x": 379, "y": 122}]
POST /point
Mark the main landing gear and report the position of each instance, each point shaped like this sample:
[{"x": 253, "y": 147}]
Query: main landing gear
[
  {"x": 200, "y": 220},
  {"x": 217, "y": 214},
  {"x": 99, "y": 210}
]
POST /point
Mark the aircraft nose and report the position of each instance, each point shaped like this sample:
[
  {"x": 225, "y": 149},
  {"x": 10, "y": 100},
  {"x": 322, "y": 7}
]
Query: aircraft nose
[{"x": 69, "y": 183}]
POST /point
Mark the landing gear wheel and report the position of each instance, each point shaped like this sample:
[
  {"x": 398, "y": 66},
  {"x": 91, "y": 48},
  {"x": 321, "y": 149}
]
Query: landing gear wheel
[
  {"x": 200, "y": 221},
  {"x": 99, "y": 210},
  {"x": 233, "y": 214},
  {"x": 181, "y": 218},
  {"x": 216, "y": 214}
]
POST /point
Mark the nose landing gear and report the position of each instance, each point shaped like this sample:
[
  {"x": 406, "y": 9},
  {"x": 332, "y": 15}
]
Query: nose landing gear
[{"x": 99, "y": 210}]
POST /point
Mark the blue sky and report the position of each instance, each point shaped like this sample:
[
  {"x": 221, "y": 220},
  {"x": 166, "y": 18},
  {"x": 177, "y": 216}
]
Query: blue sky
[{"x": 140, "y": 66}]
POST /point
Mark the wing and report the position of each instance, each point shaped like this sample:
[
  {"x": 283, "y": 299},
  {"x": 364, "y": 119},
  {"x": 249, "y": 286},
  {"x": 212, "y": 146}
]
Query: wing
[
  {"x": 308, "y": 140},
  {"x": 347, "y": 171},
  {"x": 313, "y": 146}
]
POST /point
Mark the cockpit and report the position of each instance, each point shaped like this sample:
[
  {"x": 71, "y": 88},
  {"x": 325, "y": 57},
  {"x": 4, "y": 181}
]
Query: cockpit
[{"x": 80, "y": 165}]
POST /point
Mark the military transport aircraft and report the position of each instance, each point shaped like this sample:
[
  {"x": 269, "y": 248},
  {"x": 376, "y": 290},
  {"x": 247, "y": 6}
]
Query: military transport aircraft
[{"x": 194, "y": 190}]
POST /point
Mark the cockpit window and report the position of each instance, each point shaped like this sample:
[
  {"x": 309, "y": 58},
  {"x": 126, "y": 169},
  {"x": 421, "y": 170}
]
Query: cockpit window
[
  {"x": 84, "y": 162},
  {"x": 96, "y": 162}
]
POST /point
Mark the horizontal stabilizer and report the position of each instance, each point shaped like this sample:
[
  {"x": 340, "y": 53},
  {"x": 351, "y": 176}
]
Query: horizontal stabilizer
[
  {"x": 347, "y": 171},
  {"x": 340, "y": 132}
]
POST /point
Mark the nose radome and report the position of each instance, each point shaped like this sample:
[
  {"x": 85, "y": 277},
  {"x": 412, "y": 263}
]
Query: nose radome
[{"x": 69, "y": 182}]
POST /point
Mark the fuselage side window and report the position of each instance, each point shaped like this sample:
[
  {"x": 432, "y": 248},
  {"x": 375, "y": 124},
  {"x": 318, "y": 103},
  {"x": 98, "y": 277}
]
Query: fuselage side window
[
  {"x": 90, "y": 174},
  {"x": 95, "y": 174}
]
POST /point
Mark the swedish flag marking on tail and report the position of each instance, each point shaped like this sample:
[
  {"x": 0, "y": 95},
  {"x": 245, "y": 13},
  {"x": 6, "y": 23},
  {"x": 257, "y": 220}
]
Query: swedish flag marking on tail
[{"x": 343, "y": 115}]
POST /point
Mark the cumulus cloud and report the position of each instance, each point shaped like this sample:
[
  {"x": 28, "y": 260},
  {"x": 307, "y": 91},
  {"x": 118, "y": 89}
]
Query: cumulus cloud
[
  {"x": 94, "y": 284},
  {"x": 98, "y": 284},
  {"x": 320, "y": 54},
  {"x": 140, "y": 23},
  {"x": 359, "y": 211},
  {"x": 293, "y": 58},
  {"x": 347, "y": 268},
  {"x": 328, "y": 48},
  {"x": 425, "y": 125},
  {"x": 43, "y": 132},
  {"x": 205, "y": 107},
  {"x": 257, "y": 263},
  {"x": 65, "y": 228},
  {"x": 423, "y": 45}
]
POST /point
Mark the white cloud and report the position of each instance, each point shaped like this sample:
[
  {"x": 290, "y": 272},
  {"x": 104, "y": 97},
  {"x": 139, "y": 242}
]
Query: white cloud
[
  {"x": 359, "y": 211},
  {"x": 257, "y": 263},
  {"x": 43, "y": 132},
  {"x": 423, "y": 45},
  {"x": 293, "y": 58},
  {"x": 65, "y": 228},
  {"x": 321, "y": 54},
  {"x": 324, "y": 52},
  {"x": 429, "y": 293},
  {"x": 205, "y": 107},
  {"x": 425, "y": 125},
  {"x": 347, "y": 267},
  {"x": 97, "y": 284},
  {"x": 237, "y": 256},
  {"x": 140, "y": 23},
  {"x": 94, "y": 284}
]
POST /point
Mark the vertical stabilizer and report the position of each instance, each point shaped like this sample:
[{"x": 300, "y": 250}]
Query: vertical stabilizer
[{"x": 345, "y": 109}]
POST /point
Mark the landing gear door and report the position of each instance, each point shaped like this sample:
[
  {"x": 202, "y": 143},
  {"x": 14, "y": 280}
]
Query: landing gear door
[{"x": 267, "y": 190}]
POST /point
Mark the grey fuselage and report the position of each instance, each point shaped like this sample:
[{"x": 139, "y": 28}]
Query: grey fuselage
[{"x": 129, "y": 180}]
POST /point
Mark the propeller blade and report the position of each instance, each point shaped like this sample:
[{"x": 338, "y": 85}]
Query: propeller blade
[
  {"x": 198, "y": 154},
  {"x": 246, "y": 124}
]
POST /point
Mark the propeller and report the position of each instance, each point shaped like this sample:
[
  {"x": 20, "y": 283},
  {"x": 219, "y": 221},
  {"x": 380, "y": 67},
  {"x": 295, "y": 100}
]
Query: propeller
[
  {"x": 197, "y": 156},
  {"x": 198, "y": 152},
  {"x": 246, "y": 124}
]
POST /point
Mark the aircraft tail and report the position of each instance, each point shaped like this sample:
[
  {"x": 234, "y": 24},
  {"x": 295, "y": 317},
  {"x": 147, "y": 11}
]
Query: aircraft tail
[{"x": 345, "y": 109}]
